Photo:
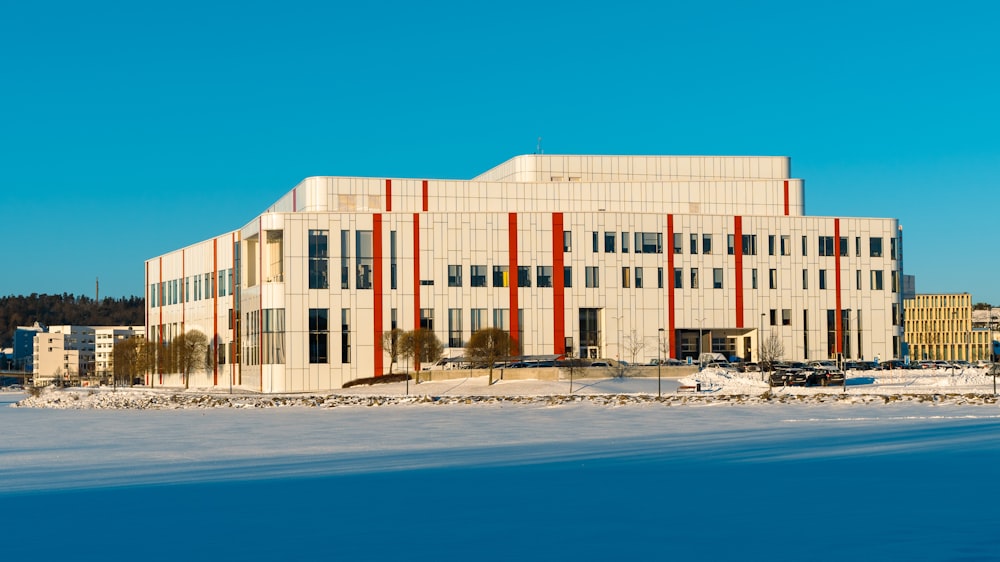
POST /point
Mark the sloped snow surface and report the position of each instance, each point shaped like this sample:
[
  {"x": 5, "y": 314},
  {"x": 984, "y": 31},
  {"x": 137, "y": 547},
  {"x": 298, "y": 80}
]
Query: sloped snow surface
[{"x": 736, "y": 472}]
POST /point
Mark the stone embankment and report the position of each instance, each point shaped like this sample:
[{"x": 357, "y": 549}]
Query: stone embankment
[{"x": 144, "y": 400}]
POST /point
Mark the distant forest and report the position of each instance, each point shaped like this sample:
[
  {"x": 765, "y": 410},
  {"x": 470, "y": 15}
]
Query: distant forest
[{"x": 54, "y": 310}]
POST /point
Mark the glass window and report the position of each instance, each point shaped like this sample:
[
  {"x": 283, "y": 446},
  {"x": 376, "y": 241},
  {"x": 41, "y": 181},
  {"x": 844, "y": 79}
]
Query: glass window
[
  {"x": 595, "y": 241},
  {"x": 876, "y": 279},
  {"x": 626, "y": 277},
  {"x": 345, "y": 335},
  {"x": 365, "y": 259},
  {"x": 319, "y": 335},
  {"x": 524, "y": 276},
  {"x": 392, "y": 259},
  {"x": 567, "y": 241},
  {"x": 678, "y": 243},
  {"x": 717, "y": 278},
  {"x": 568, "y": 276},
  {"x": 749, "y": 244},
  {"x": 786, "y": 317},
  {"x": 478, "y": 319},
  {"x": 694, "y": 244},
  {"x": 501, "y": 276},
  {"x": 678, "y": 278},
  {"x": 753, "y": 278},
  {"x": 770, "y": 244},
  {"x": 455, "y": 327},
  {"x": 318, "y": 253},
  {"x": 638, "y": 278},
  {"x": 694, "y": 277},
  {"x": 731, "y": 244},
  {"x": 478, "y": 278},
  {"x": 772, "y": 278},
  {"x": 427, "y": 319},
  {"x": 826, "y": 245},
  {"x": 648, "y": 243},
  {"x": 591, "y": 279},
  {"x": 786, "y": 245},
  {"x": 624, "y": 242},
  {"x": 805, "y": 245},
  {"x": 454, "y": 275},
  {"x": 501, "y": 318},
  {"x": 843, "y": 246},
  {"x": 805, "y": 278},
  {"x": 875, "y": 244},
  {"x": 706, "y": 243},
  {"x": 609, "y": 242},
  {"x": 822, "y": 279},
  {"x": 659, "y": 277},
  {"x": 543, "y": 274},
  {"x": 345, "y": 259}
]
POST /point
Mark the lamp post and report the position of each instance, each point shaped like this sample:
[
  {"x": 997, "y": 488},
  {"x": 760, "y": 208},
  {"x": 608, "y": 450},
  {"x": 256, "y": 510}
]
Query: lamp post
[
  {"x": 659, "y": 360},
  {"x": 701, "y": 325},
  {"x": 760, "y": 345}
]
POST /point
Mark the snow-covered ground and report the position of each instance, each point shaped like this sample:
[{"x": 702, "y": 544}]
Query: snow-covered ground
[{"x": 691, "y": 477}]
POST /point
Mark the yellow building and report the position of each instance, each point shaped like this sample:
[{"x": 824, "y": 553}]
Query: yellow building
[{"x": 939, "y": 327}]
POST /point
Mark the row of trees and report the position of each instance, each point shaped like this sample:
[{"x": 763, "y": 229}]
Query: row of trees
[
  {"x": 54, "y": 310},
  {"x": 485, "y": 348},
  {"x": 187, "y": 354}
]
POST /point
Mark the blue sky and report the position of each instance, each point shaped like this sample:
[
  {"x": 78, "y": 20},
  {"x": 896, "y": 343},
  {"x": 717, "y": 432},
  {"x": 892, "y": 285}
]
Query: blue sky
[{"x": 131, "y": 129}]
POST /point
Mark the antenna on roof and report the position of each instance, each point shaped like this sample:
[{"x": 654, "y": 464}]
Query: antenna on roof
[{"x": 538, "y": 147}]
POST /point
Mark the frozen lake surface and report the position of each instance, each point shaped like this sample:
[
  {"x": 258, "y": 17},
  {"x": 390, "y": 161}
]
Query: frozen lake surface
[{"x": 498, "y": 482}]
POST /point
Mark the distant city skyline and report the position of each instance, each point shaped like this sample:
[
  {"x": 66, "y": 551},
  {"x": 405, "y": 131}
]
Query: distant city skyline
[{"x": 131, "y": 130}]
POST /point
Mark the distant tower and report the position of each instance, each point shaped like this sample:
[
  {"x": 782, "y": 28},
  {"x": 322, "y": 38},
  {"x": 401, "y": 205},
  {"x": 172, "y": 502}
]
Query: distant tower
[
  {"x": 97, "y": 289},
  {"x": 538, "y": 147}
]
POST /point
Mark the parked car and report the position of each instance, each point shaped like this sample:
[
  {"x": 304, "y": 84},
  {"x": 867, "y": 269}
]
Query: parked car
[
  {"x": 826, "y": 377},
  {"x": 789, "y": 377}
]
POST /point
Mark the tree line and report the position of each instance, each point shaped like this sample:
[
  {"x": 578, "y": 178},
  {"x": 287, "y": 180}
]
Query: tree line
[{"x": 67, "y": 309}]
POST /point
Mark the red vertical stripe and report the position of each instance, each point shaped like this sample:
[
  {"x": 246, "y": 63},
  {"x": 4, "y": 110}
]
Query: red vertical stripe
[
  {"x": 377, "y": 286},
  {"x": 672, "y": 336},
  {"x": 738, "y": 265},
  {"x": 416, "y": 279},
  {"x": 159, "y": 329},
  {"x": 215, "y": 314},
  {"x": 149, "y": 332},
  {"x": 786, "y": 198},
  {"x": 512, "y": 248},
  {"x": 423, "y": 194},
  {"x": 836, "y": 264},
  {"x": 295, "y": 204},
  {"x": 558, "y": 286},
  {"x": 260, "y": 300},
  {"x": 388, "y": 196}
]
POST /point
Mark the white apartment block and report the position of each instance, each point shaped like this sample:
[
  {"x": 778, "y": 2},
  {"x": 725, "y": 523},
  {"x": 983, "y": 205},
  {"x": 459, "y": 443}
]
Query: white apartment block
[
  {"x": 598, "y": 256},
  {"x": 105, "y": 338}
]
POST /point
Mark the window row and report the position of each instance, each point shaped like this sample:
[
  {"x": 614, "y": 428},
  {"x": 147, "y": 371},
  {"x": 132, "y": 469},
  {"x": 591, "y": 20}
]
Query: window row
[
  {"x": 191, "y": 288},
  {"x": 644, "y": 242}
]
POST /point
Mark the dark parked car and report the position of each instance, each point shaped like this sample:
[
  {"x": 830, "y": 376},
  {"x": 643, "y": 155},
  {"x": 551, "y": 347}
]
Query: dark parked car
[
  {"x": 789, "y": 377},
  {"x": 826, "y": 377}
]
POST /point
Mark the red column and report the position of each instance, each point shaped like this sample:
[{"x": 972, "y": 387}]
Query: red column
[
  {"x": 416, "y": 279},
  {"x": 840, "y": 324},
  {"x": 512, "y": 249},
  {"x": 558, "y": 286},
  {"x": 738, "y": 264},
  {"x": 377, "y": 288},
  {"x": 672, "y": 335},
  {"x": 388, "y": 196}
]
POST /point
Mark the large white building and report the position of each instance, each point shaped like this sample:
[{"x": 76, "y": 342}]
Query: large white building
[{"x": 602, "y": 256}]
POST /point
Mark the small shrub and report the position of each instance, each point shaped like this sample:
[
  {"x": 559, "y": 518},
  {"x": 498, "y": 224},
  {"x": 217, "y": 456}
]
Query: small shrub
[{"x": 384, "y": 379}]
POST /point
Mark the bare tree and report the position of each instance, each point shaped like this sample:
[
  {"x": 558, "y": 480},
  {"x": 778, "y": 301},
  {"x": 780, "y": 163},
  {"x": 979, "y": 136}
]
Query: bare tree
[
  {"x": 633, "y": 345},
  {"x": 422, "y": 345},
  {"x": 771, "y": 351},
  {"x": 189, "y": 350},
  {"x": 131, "y": 359},
  {"x": 486, "y": 347},
  {"x": 572, "y": 366},
  {"x": 391, "y": 341}
]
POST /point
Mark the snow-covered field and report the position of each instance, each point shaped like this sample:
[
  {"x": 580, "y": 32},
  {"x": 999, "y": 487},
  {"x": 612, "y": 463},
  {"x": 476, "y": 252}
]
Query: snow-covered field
[{"x": 724, "y": 474}]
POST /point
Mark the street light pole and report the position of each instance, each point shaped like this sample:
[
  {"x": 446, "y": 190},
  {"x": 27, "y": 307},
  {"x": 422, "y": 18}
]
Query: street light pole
[
  {"x": 701, "y": 326},
  {"x": 659, "y": 360}
]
